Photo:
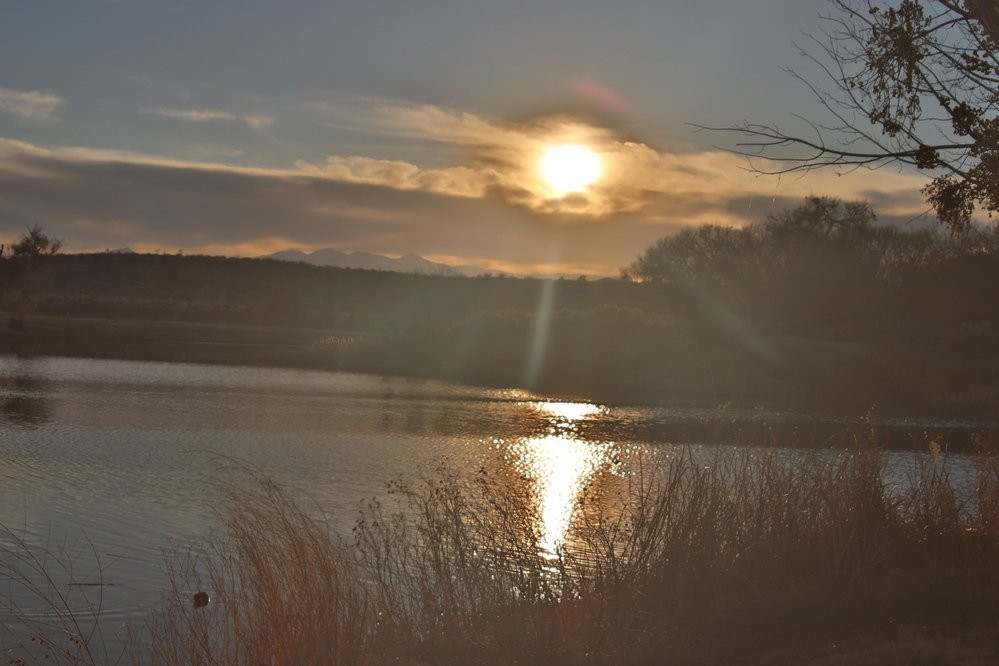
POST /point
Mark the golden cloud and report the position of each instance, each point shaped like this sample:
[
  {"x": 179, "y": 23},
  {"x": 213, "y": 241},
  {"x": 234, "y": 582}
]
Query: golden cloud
[
  {"x": 487, "y": 205},
  {"x": 504, "y": 156},
  {"x": 456, "y": 181}
]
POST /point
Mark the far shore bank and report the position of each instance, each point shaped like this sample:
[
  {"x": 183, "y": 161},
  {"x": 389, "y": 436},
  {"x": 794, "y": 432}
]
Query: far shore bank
[
  {"x": 911, "y": 346},
  {"x": 334, "y": 351}
]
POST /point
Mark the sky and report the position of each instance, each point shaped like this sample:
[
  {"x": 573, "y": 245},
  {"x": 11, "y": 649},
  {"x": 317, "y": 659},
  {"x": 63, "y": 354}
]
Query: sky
[{"x": 243, "y": 127}]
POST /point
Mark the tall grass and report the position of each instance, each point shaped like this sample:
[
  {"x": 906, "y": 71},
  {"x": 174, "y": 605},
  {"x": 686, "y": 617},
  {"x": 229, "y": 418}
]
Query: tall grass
[
  {"x": 63, "y": 623},
  {"x": 703, "y": 556},
  {"x": 699, "y": 558},
  {"x": 282, "y": 591}
]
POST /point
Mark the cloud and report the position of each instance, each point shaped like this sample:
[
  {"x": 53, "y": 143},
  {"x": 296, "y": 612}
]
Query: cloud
[
  {"x": 96, "y": 199},
  {"x": 193, "y": 115},
  {"x": 503, "y": 160},
  {"x": 29, "y": 104},
  {"x": 481, "y": 198},
  {"x": 256, "y": 122},
  {"x": 455, "y": 181},
  {"x": 208, "y": 151}
]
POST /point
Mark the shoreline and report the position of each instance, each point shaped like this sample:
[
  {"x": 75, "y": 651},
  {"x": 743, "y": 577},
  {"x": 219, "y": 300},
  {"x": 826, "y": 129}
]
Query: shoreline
[
  {"x": 231, "y": 344},
  {"x": 297, "y": 348}
]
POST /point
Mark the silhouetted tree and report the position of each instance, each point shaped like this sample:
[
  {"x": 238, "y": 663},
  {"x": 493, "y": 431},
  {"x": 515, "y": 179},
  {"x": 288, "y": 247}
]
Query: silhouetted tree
[
  {"x": 35, "y": 243},
  {"x": 716, "y": 255},
  {"x": 827, "y": 218},
  {"x": 913, "y": 82},
  {"x": 707, "y": 254},
  {"x": 824, "y": 233},
  {"x": 24, "y": 269},
  {"x": 821, "y": 265}
]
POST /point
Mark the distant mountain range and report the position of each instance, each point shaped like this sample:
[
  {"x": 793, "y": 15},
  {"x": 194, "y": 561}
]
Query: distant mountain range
[{"x": 410, "y": 263}]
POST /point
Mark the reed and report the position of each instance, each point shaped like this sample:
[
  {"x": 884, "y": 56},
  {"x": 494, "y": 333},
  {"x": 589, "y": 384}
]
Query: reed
[
  {"x": 62, "y": 624},
  {"x": 706, "y": 556},
  {"x": 699, "y": 558}
]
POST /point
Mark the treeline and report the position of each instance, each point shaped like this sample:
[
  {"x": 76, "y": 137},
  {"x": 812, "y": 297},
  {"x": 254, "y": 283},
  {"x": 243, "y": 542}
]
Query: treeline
[
  {"x": 819, "y": 307},
  {"x": 280, "y": 293},
  {"x": 828, "y": 269}
]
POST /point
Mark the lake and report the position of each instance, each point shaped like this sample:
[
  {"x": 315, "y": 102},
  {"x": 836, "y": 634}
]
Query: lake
[{"x": 122, "y": 458}]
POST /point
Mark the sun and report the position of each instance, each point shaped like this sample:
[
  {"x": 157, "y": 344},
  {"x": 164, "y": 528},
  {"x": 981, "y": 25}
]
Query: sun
[{"x": 569, "y": 168}]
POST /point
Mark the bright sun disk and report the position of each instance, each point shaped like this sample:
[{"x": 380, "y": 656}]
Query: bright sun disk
[{"x": 569, "y": 168}]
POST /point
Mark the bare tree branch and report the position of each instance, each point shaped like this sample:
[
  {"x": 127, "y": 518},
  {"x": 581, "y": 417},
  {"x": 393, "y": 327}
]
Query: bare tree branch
[{"x": 898, "y": 72}]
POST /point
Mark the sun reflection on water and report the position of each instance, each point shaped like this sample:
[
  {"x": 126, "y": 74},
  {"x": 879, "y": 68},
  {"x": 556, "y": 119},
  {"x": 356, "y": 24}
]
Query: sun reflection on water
[
  {"x": 559, "y": 464},
  {"x": 560, "y": 467},
  {"x": 568, "y": 411}
]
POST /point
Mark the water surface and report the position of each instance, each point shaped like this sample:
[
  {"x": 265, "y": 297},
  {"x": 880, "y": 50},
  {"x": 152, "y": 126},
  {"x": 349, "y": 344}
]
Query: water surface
[{"x": 121, "y": 458}]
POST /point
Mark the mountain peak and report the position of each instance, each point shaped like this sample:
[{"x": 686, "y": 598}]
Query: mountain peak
[{"x": 408, "y": 263}]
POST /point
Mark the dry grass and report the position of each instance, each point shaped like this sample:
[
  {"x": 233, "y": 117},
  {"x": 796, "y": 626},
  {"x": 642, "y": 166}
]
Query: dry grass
[
  {"x": 749, "y": 557},
  {"x": 283, "y": 591},
  {"x": 741, "y": 558},
  {"x": 63, "y": 624}
]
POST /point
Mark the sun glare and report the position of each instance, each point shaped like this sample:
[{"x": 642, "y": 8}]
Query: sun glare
[
  {"x": 560, "y": 465},
  {"x": 569, "y": 168},
  {"x": 569, "y": 411}
]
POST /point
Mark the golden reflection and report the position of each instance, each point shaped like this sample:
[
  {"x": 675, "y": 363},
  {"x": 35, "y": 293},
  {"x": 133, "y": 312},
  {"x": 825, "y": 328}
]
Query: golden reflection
[
  {"x": 559, "y": 465},
  {"x": 569, "y": 411}
]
